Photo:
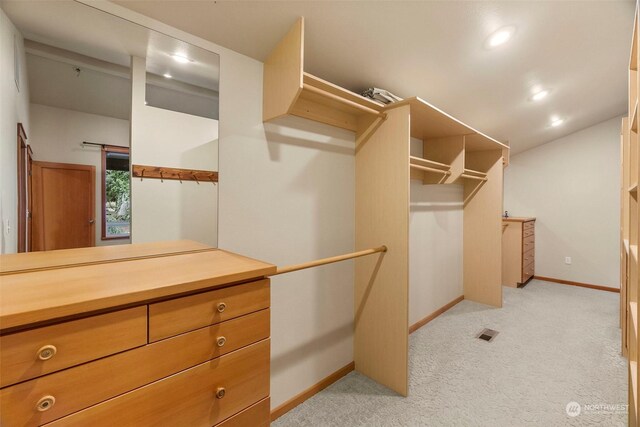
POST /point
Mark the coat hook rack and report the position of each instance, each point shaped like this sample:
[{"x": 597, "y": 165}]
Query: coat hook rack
[{"x": 163, "y": 173}]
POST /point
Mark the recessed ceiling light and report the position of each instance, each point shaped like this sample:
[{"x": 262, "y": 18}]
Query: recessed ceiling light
[
  {"x": 556, "y": 122},
  {"x": 167, "y": 75},
  {"x": 181, "y": 58},
  {"x": 500, "y": 37},
  {"x": 540, "y": 95}
]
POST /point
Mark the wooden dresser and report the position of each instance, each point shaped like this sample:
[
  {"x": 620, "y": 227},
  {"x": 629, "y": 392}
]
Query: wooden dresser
[
  {"x": 163, "y": 334},
  {"x": 518, "y": 250}
]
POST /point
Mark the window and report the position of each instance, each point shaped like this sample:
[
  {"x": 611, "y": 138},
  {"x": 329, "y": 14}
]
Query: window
[{"x": 116, "y": 193}]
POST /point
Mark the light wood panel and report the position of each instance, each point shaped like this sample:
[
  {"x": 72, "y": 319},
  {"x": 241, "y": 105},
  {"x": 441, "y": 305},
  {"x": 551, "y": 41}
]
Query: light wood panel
[
  {"x": 34, "y": 261},
  {"x": 512, "y": 254},
  {"x": 70, "y": 343},
  {"x": 189, "y": 397},
  {"x": 180, "y": 315},
  {"x": 482, "y": 239},
  {"x": 381, "y": 287},
  {"x": 449, "y": 150},
  {"x": 29, "y": 298},
  {"x": 282, "y": 78},
  {"x": 75, "y": 389}
]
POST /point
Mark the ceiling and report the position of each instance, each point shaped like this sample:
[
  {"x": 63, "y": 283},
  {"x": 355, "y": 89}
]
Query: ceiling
[
  {"x": 78, "y": 28},
  {"x": 436, "y": 50}
]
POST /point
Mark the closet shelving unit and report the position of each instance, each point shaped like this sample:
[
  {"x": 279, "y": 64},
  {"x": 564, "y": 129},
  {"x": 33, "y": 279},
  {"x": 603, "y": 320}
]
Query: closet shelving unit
[
  {"x": 454, "y": 153},
  {"x": 629, "y": 233}
]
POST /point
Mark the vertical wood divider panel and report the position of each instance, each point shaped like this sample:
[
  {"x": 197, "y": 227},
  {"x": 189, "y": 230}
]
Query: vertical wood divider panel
[
  {"x": 382, "y": 283},
  {"x": 482, "y": 239},
  {"x": 450, "y": 151},
  {"x": 283, "y": 74}
]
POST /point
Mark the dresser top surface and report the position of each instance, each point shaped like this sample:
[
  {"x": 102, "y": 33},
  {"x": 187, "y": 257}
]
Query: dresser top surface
[
  {"x": 31, "y": 297},
  {"x": 517, "y": 219}
]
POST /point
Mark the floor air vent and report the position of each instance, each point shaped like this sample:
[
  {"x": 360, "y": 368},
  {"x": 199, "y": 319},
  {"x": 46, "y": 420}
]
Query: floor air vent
[{"x": 487, "y": 334}]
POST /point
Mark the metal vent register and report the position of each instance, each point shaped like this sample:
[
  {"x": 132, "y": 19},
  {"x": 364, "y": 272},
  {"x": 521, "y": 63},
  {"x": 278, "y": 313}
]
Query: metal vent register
[{"x": 487, "y": 334}]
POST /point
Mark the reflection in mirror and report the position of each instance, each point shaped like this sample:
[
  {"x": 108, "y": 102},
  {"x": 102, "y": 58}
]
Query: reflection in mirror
[{"x": 96, "y": 100}]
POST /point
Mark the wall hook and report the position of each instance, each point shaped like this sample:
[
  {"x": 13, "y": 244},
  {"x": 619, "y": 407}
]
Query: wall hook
[
  {"x": 161, "y": 176},
  {"x": 194, "y": 177},
  {"x": 142, "y": 175},
  {"x": 180, "y": 177}
]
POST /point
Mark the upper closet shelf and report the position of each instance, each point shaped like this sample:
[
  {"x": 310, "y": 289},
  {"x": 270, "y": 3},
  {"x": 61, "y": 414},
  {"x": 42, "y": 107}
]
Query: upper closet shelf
[{"x": 289, "y": 90}]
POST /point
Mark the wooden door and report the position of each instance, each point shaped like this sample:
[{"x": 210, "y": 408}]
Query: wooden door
[{"x": 63, "y": 206}]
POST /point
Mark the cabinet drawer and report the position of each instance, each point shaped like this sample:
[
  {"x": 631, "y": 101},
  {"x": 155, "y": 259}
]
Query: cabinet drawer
[
  {"x": 184, "y": 314},
  {"x": 528, "y": 271},
  {"x": 528, "y": 225},
  {"x": 75, "y": 389},
  {"x": 36, "y": 352},
  {"x": 198, "y": 397},
  {"x": 258, "y": 415},
  {"x": 528, "y": 243},
  {"x": 528, "y": 257},
  {"x": 528, "y": 232}
]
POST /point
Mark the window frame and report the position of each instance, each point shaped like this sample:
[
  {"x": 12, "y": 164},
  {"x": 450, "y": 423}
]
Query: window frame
[{"x": 105, "y": 150}]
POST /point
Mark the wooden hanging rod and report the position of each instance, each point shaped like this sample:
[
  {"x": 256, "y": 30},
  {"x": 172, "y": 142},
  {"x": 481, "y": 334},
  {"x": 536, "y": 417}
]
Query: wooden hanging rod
[
  {"x": 479, "y": 178},
  {"x": 342, "y": 100},
  {"x": 425, "y": 168},
  {"x": 296, "y": 267},
  {"x": 176, "y": 174}
]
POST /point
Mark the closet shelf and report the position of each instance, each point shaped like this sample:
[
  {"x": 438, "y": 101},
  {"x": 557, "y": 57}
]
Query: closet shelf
[
  {"x": 634, "y": 117},
  {"x": 428, "y": 163},
  {"x": 633, "y": 250},
  {"x": 633, "y": 188},
  {"x": 625, "y": 242}
]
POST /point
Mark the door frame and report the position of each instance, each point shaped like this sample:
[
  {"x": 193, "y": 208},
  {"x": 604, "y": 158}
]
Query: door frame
[
  {"x": 23, "y": 193},
  {"x": 37, "y": 215}
]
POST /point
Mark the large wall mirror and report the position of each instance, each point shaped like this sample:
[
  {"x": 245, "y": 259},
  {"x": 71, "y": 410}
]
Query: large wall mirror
[{"x": 109, "y": 131}]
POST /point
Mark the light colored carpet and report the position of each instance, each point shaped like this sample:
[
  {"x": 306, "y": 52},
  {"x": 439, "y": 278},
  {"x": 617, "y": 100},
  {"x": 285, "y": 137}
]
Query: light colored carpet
[{"x": 556, "y": 344}]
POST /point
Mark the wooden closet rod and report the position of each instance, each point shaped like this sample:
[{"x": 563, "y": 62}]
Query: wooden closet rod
[
  {"x": 296, "y": 267},
  {"x": 431, "y": 169},
  {"x": 343, "y": 100},
  {"x": 479, "y": 178}
]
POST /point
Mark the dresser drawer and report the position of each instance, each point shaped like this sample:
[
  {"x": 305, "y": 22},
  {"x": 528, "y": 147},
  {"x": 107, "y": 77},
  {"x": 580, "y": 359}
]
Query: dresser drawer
[
  {"x": 529, "y": 225},
  {"x": 528, "y": 243},
  {"x": 75, "y": 389},
  {"x": 184, "y": 314},
  {"x": 198, "y": 397},
  {"x": 528, "y": 271},
  {"x": 528, "y": 232},
  {"x": 528, "y": 257},
  {"x": 258, "y": 415},
  {"x": 37, "y": 352}
]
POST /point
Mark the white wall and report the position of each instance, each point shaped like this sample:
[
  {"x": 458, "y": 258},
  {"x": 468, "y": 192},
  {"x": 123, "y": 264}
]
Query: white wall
[
  {"x": 435, "y": 245},
  {"x": 171, "y": 210},
  {"x": 57, "y": 135},
  {"x": 14, "y": 109},
  {"x": 571, "y": 185}
]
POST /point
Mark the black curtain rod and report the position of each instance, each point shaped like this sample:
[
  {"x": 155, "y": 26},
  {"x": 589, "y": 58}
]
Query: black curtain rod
[{"x": 94, "y": 143}]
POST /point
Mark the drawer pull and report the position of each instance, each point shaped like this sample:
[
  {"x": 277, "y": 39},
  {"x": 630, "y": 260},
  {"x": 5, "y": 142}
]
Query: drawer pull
[
  {"x": 45, "y": 403},
  {"x": 221, "y": 341},
  {"x": 47, "y": 352},
  {"x": 220, "y": 392},
  {"x": 221, "y": 307}
]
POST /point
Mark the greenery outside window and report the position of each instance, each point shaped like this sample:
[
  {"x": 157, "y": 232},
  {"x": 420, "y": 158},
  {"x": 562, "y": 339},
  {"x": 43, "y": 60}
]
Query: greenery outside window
[{"x": 116, "y": 193}]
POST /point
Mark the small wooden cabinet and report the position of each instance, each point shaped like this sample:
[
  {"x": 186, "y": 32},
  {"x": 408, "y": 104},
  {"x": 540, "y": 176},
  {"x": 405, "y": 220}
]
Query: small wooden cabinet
[
  {"x": 518, "y": 250},
  {"x": 141, "y": 342}
]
